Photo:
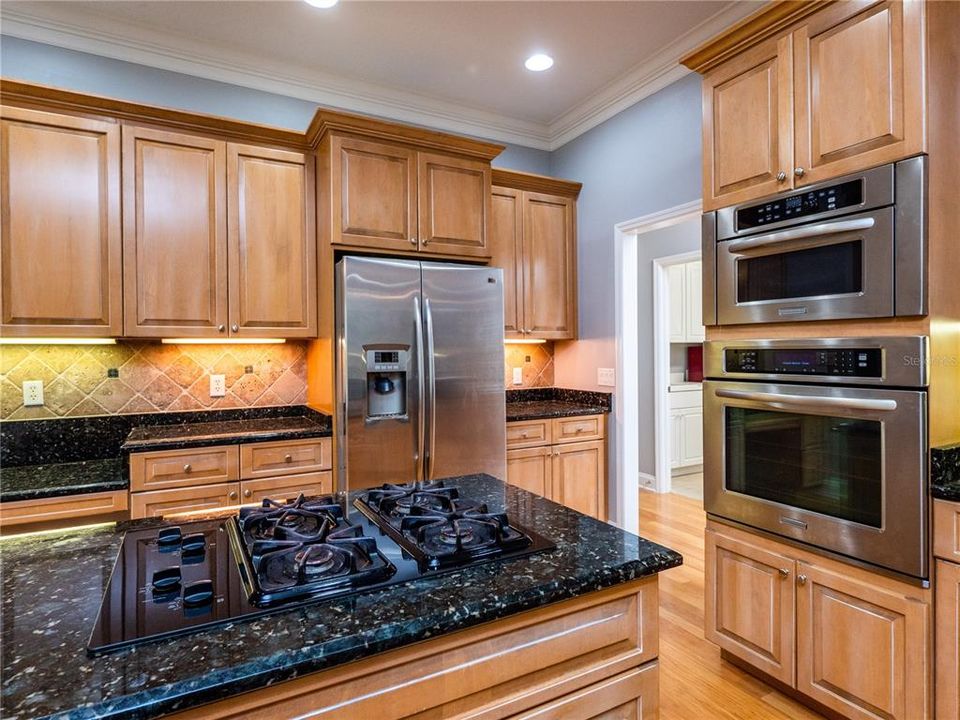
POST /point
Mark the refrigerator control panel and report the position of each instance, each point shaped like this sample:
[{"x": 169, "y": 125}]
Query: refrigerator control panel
[{"x": 387, "y": 360}]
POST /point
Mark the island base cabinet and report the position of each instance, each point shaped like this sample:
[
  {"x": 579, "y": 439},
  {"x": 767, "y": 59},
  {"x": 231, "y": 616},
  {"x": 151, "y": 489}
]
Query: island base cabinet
[
  {"x": 862, "y": 647},
  {"x": 586, "y": 658},
  {"x": 948, "y": 641}
]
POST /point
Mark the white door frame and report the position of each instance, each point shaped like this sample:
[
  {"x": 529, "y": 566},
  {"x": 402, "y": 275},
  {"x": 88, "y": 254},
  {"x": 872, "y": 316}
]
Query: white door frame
[
  {"x": 661, "y": 365},
  {"x": 627, "y": 400}
]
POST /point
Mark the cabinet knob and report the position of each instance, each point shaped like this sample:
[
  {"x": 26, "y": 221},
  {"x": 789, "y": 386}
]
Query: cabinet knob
[
  {"x": 523, "y": 435},
  {"x": 781, "y": 176},
  {"x": 784, "y": 573},
  {"x": 579, "y": 430},
  {"x": 187, "y": 468},
  {"x": 288, "y": 458},
  {"x": 248, "y": 492},
  {"x": 233, "y": 495},
  {"x": 798, "y": 171},
  {"x": 801, "y": 579},
  {"x": 413, "y": 241},
  {"x": 234, "y": 327},
  {"x": 221, "y": 328}
]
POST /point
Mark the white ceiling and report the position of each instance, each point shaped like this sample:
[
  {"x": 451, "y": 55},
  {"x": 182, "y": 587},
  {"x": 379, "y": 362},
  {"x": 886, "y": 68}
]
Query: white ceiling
[{"x": 453, "y": 65}]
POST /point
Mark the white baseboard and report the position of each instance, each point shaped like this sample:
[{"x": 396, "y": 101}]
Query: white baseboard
[{"x": 647, "y": 482}]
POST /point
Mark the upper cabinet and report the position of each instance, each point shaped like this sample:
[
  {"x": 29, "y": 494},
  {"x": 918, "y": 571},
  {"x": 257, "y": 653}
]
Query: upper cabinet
[
  {"x": 218, "y": 238},
  {"x": 533, "y": 238},
  {"x": 60, "y": 242},
  {"x": 684, "y": 282},
  {"x": 837, "y": 90},
  {"x": 454, "y": 201}
]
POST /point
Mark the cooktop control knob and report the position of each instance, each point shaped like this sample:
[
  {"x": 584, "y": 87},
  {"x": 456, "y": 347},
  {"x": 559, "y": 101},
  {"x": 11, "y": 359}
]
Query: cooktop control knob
[
  {"x": 169, "y": 536},
  {"x": 193, "y": 543},
  {"x": 166, "y": 580},
  {"x": 198, "y": 594}
]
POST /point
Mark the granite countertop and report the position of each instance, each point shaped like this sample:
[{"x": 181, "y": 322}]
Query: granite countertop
[
  {"x": 945, "y": 472},
  {"x": 29, "y": 482},
  {"x": 53, "y": 585},
  {"x": 200, "y": 434},
  {"x": 544, "y": 403}
]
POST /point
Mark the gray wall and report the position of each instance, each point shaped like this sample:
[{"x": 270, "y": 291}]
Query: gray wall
[
  {"x": 674, "y": 240},
  {"x": 83, "y": 72}
]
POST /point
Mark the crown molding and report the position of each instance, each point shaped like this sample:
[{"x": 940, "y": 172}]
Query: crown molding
[
  {"x": 144, "y": 46},
  {"x": 532, "y": 182}
]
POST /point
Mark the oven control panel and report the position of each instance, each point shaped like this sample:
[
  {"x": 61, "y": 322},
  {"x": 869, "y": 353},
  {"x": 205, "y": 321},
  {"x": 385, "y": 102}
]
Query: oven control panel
[
  {"x": 801, "y": 204},
  {"x": 852, "y": 362}
]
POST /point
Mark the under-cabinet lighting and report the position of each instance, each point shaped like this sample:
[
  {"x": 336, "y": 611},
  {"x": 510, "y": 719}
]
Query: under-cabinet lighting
[
  {"x": 525, "y": 341},
  {"x": 34, "y": 533},
  {"x": 223, "y": 341},
  {"x": 56, "y": 341}
]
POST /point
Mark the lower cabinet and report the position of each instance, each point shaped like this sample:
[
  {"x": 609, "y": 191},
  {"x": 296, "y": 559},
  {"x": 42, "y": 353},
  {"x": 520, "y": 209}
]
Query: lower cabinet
[
  {"x": 566, "y": 463},
  {"x": 947, "y": 580},
  {"x": 686, "y": 428},
  {"x": 157, "y": 503},
  {"x": 851, "y": 640},
  {"x": 92, "y": 506}
]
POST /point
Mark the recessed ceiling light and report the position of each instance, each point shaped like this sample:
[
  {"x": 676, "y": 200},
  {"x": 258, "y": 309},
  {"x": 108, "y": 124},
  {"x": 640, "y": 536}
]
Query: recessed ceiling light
[
  {"x": 325, "y": 4},
  {"x": 539, "y": 62}
]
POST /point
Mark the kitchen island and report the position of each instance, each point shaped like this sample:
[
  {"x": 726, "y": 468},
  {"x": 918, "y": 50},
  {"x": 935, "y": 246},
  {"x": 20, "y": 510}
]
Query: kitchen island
[{"x": 574, "y": 628}]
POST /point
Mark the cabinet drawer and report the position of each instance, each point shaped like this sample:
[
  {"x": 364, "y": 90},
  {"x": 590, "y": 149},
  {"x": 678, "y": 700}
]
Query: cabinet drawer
[
  {"x": 681, "y": 399},
  {"x": 89, "y": 505},
  {"x": 576, "y": 429},
  {"x": 528, "y": 433},
  {"x": 946, "y": 530},
  {"x": 287, "y": 487},
  {"x": 634, "y": 694},
  {"x": 171, "y": 502},
  {"x": 289, "y": 457},
  {"x": 166, "y": 469}
]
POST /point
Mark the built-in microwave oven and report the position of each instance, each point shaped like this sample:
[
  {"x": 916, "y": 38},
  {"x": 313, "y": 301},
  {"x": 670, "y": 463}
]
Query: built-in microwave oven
[
  {"x": 822, "y": 441},
  {"x": 848, "y": 248}
]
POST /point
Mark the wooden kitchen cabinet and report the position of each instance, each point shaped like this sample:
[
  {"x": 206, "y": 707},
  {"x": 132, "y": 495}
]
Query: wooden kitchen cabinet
[
  {"x": 169, "y": 469},
  {"x": 825, "y": 90},
  {"x": 947, "y": 640},
  {"x": 579, "y": 477},
  {"x": 287, "y": 487},
  {"x": 60, "y": 240},
  {"x": 285, "y": 457},
  {"x": 271, "y": 242},
  {"x": 862, "y": 640},
  {"x": 158, "y": 503},
  {"x": 454, "y": 199},
  {"x": 533, "y": 238},
  {"x": 531, "y": 469}
]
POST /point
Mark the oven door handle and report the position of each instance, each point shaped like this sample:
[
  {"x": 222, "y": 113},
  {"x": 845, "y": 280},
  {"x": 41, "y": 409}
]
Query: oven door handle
[
  {"x": 809, "y": 401},
  {"x": 801, "y": 233}
]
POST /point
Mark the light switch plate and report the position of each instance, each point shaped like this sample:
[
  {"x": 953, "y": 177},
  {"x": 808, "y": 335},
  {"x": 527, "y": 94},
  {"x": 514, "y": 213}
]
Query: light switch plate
[
  {"x": 218, "y": 385},
  {"x": 518, "y": 376},
  {"x": 606, "y": 377},
  {"x": 32, "y": 393}
]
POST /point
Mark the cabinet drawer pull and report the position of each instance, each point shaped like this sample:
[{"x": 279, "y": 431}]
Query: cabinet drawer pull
[
  {"x": 781, "y": 176},
  {"x": 288, "y": 458},
  {"x": 801, "y": 579},
  {"x": 221, "y": 328},
  {"x": 579, "y": 430},
  {"x": 233, "y": 495},
  {"x": 235, "y": 328},
  {"x": 187, "y": 468},
  {"x": 248, "y": 492},
  {"x": 523, "y": 434},
  {"x": 413, "y": 241},
  {"x": 784, "y": 573}
]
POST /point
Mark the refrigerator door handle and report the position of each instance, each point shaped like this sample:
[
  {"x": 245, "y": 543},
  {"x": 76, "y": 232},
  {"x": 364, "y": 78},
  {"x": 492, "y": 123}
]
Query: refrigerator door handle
[
  {"x": 433, "y": 390},
  {"x": 421, "y": 392}
]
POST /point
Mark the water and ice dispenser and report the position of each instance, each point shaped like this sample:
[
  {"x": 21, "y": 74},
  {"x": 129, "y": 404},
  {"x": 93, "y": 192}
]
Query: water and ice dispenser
[{"x": 387, "y": 382}]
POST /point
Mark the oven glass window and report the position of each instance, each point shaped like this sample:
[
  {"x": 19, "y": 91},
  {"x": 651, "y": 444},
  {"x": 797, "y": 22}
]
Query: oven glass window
[
  {"x": 825, "y": 270},
  {"x": 822, "y": 464}
]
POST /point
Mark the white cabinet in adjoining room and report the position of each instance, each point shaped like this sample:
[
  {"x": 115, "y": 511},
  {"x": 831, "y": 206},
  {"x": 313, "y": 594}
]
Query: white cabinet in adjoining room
[{"x": 686, "y": 310}]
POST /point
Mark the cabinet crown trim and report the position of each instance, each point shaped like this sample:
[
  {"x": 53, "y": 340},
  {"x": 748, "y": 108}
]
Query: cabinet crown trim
[
  {"x": 535, "y": 183},
  {"x": 770, "y": 20}
]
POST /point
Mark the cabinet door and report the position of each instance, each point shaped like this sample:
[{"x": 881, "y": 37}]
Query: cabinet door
[
  {"x": 676, "y": 282},
  {"x": 748, "y": 125},
  {"x": 859, "y": 87},
  {"x": 692, "y": 302},
  {"x": 550, "y": 266},
  {"x": 169, "y": 502},
  {"x": 749, "y": 603},
  {"x": 174, "y": 235},
  {"x": 454, "y": 198},
  {"x": 948, "y": 641},
  {"x": 580, "y": 477},
  {"x": 861, "y": 647},
  {"x": 691, "y": 437},
  {"x": 530, "y": 469},
  {"x": 60, "y": 247},
  {"x": 271, "y": 243},
  {"x": 506, "y": 248},
  {"x": 374, "y": 194},
  {"x": 676, "y": 435}
]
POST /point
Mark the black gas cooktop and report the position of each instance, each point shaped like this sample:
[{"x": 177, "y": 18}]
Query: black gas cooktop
[{"x": 177, "y": 578}]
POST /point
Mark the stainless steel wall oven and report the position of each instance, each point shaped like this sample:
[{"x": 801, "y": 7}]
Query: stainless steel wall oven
[
  {"x": 853, "y": 247},
  {"x": 823, "y": 441}
]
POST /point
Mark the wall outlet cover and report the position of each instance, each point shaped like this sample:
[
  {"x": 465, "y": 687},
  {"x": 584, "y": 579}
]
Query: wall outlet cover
[
  {"x": 32, "y": 393},
  {"x": 218, "y": 385},
  {"x": 518, "y": 376},
  {"x": 606, "y": 377}
]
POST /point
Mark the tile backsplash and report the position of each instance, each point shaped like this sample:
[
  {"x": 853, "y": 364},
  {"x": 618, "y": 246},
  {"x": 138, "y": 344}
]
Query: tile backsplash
[
  {"x": 149, "y": 377},
  {"x": 536, "y": 360}
]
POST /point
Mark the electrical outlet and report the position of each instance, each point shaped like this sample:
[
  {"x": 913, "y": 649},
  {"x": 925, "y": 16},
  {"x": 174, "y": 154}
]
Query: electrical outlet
[
  {"x": 218, "y": 385},
  {"x": 518, "y": 376},
  {"x": 606, "y": 377},
  {"x": 32, "y": 393}
]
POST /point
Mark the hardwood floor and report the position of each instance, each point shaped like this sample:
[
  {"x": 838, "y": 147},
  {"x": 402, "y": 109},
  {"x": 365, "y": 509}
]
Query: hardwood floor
[{"x": 694, "y": 683}]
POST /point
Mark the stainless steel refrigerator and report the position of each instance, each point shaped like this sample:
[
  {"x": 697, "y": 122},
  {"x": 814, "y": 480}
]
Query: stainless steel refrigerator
[{"x": 419, "y": 371}]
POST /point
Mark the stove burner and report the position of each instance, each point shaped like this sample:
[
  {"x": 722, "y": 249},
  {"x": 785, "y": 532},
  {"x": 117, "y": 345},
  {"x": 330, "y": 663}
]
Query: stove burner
[
  {"x": 452, "y": 534},
  {"x": 319, "y": 560}
]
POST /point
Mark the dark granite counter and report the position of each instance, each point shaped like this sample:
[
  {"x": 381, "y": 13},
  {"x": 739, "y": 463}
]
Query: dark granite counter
[
  {"x": 200, "y": 434},
  {"x": 544, "y": 403},
  {"x": 29, "y": 482},
  {"x": 945, "y": 473},
  {"x": 53, "y": 584}
]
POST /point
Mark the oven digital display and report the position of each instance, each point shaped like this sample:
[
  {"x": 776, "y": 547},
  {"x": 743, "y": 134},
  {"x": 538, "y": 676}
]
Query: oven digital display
[
  {"x": 812, "y": 202},
  {"x": 867, "y": 362}
]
